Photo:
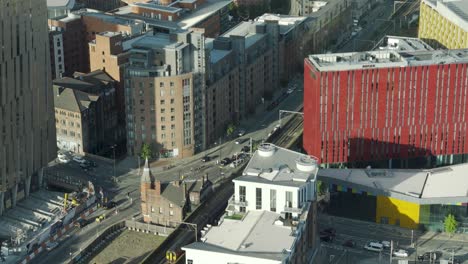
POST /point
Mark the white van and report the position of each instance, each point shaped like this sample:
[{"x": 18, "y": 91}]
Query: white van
[{"x": 374, "y": 246}]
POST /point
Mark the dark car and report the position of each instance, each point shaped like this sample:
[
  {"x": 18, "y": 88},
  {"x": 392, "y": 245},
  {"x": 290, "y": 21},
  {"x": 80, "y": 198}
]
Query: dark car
[
  {"x": 349, "y": 243},
  {"x": 326, "y": 238},
  {"x": 225, "y": 161},
  {"x": 245, "y": 149},
  {"x": 82, "y": 223},
  {"x": 430, "y": 255},
  {"x": 110, "y": 205},
  {"x": 330, "y": 231},
  {"x": 205, "y": 159}
]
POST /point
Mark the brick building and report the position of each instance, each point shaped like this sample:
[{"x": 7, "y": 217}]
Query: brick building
[
  {"x": 393, "y": 106},
  {"x": 168, "y": 203},
  {"x": 85, "y": 113}
]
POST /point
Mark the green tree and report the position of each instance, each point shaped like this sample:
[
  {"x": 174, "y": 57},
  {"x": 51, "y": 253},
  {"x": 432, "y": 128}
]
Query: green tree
[
  {"x": 146, "y": 152},
  {"x": 450, "y": 224},
  {"x": 230, "y": 129},
  {"x": 321, "y": 188}
]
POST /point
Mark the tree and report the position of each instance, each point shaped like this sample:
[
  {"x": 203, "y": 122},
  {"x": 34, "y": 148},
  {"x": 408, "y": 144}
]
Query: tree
[
  {"x": 450, "y": 224},
  {"x": 230, "y": 129},
  {"x": 321, "y": 188},
  {"x": 146, "y": 152}
]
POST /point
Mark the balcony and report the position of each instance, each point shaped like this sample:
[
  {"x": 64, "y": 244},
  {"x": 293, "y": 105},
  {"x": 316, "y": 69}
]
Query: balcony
[
  {"x": 293, "y": 210},
  {"x": 233, "y": 201}
]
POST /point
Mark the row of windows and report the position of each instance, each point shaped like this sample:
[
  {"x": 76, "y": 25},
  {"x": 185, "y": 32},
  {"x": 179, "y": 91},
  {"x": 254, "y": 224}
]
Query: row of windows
[
  {"x": 70, "y": 133},
  {"x": 70, "y": 123}
]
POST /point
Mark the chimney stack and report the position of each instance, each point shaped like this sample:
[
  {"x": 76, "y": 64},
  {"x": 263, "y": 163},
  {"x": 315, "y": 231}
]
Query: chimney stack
[{"x": 157, "y": 187}]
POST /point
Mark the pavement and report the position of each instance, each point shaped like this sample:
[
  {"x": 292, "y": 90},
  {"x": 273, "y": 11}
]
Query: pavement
[{"x": 362, "y": 232}]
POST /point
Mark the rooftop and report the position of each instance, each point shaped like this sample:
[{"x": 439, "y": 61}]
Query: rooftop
[
  {"x": 156, "y": 41},
  {"x": 455, "y": 11},
  {"x": 246, "y": 29},
  {"x": 259, "y": 233},
  {"x": 417, "y": 186},
  {"x": 402, "y": 44},
  {"x": 158, "y": 7},
  {"x": 60, "y": 4},
  {"x": 285, "y": 22},
  {"x": 386, "y": 59},
  {"x": 275, "y": 165},
  {"x": 202, "y": 12},
  {"x": 111, "y": 18}
]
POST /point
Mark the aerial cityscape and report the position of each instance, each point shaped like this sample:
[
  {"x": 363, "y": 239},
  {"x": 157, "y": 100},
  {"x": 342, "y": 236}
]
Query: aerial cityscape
[{"x": 234, "y": 131}]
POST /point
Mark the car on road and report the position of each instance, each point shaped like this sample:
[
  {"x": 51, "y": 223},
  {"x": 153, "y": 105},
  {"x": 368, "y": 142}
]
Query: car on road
[
  {"x": 236, "y": 163},
  {"x": 225, "y": 161},
  {"x": 374, "y": 246},
  {"x": 400, "y": 253},
  {"x": 205, "y": 159},
  {"x": 430, "y": 255},
  {"x": 240, "y": 141},
  {"x": 110, "y": 205},
  {"x": 290, "y": 90},
  {"x": 51, "y": 245},
  {"x": 79, "y": 159},
  {"x": 330, "y": 231},
  {"x": 241, "y": 132},
  {"x": 245, "y": 149},
  {"x": 82, "y": 223},
  {"x": 349, "y": 243},
  {"x": 63, "y": 159}
]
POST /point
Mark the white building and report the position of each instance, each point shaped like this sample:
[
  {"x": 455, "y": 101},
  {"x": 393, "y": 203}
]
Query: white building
[{"x": 271, "y": 217}]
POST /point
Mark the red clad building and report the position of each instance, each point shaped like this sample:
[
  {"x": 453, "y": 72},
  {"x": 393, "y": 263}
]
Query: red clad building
[{"x": 387, "y": 104}]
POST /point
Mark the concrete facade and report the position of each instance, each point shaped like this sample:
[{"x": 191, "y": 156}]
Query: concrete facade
[{"x": 27, "y": 141}]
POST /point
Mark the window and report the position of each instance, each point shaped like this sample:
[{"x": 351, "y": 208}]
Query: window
[
  {"x": 152, "y": 209},
  {"x": 173, "y": 144},
  {"x": 171, "y": 205},
  {"x": 161, "y": 84},
  {"x": 162, "y": 102},
  {"x": 289, "y": 199},
  {"x": 172, "y": 110},
  {"x": 161, "y": 92},
  {"x": 192, "y": 198},
  {"x": 171, "y": 212},
  {"x": 172, "y": 92},
  {"x": 172, "y": 101},
  {"x": 163, "y": 127},
  {"x": 189, "y": 261},
  {"x": 172, "y": 85},
  {"x": 273, "y": 200},
  {"x": 160, "y": 210},
  {"x": 241, "y": 193},
  {"x": 163, "y": 110},
  {"x": 163, "y": 119},
  {"x": 163, "y": 136},
  {"x": 258, "y": 198},
  {"x": 172, "y": 126}
]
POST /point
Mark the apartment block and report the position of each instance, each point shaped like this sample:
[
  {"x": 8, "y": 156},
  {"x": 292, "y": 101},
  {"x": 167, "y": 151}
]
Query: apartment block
[
  {"x": 330, "y": 22},
  {"x": 444, "y": 24},
  {"x": 27, "y": 138},
  {"x": 86, "y": 113},
  {"x": 271, "y": 217},
  {"x": 161, "y": 80},
  {"x": 401, "y": 107}
]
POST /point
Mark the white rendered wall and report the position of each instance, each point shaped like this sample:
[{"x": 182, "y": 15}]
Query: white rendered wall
[{"x": 208, "y": 257}]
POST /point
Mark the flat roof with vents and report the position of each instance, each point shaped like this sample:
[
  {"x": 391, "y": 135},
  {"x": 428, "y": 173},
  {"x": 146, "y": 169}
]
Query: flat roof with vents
[{"x": 444, "y": 185}]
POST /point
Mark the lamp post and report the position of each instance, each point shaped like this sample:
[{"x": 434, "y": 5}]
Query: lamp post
[{"x": 113, "y": 149}]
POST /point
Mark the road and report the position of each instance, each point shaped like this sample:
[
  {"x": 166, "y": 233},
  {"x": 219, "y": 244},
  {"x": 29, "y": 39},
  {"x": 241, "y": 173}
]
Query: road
[{"x": 362, "y": 232}]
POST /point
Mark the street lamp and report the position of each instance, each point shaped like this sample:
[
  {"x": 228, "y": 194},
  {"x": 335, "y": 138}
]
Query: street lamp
[{"x": 113, "y": 149}]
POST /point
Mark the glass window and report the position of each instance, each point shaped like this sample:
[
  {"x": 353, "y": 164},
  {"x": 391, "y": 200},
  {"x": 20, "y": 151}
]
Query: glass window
[
  {"x": 258, "y": 200},
  {"x": 289, "y": 199},
  {"x": 273, "y": 200},
  {"x": 241, "y": 193}
]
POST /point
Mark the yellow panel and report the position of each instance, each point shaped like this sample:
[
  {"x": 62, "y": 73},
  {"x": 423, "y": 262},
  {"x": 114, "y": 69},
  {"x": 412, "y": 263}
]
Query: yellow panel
[{"x": 397, "y": 210}]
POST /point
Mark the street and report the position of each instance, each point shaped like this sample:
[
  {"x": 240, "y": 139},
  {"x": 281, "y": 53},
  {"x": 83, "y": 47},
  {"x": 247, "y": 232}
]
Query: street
[{"x": 362, "y": 232}]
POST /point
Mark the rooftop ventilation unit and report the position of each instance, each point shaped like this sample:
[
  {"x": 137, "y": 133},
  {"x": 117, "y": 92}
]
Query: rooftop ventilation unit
[
  {"x": 266, "y": 150},
  {"x": 306, "y": 164}
]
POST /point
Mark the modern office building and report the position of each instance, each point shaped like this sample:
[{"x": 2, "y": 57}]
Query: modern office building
[
  {"x": 27, "y": 141},
  {"x": 411, "y": 198},
  {"x": 404, "y": 108},
  {"x": 86, "y": 113},
  {"x": 272, "y": 216},
  {"x": 444, "y": 24}
]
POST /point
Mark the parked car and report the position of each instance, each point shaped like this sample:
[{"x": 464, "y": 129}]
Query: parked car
[
  {"x": 225, "y": 161},
  {"x": 79, "y": 159},
  {"x": 245, "y": 149},
  {"x": 63, "y": 159},
  {"x": 51, "y": 245},
  {"x": 326, "y": 237},
  {"x": 385, "y": 244},
  {"x": 330, "y": 231},
  {"x": 349, "y": 243},
  {"x": 374, "y": 246},
  {"x": 205, "y": 159},
  {"x": 400, "y": 253},
  {"x": 241, "y": 132},
  {"x": 236, "y": 162}
]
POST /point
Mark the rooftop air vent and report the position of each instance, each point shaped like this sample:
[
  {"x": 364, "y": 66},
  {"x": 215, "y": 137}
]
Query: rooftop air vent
[
  {"x": 306, "y": 163},
  {"x": 266, "y": 150}
]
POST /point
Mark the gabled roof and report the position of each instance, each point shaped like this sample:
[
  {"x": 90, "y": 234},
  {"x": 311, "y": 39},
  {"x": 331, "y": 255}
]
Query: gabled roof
[{"x": 72, "y": 100}]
